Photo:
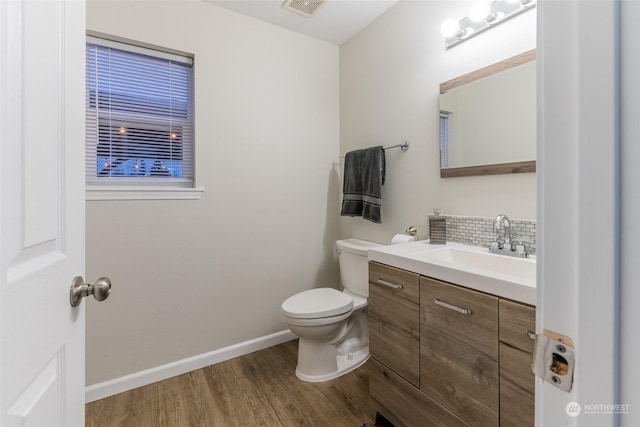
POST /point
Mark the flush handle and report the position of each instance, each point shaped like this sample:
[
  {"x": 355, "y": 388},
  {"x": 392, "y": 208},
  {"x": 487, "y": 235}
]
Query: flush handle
[{"x": 100, "y": 290}]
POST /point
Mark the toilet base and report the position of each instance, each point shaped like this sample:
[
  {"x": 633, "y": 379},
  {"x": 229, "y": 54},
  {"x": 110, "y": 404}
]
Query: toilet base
[{"x": 322, "y": 364}]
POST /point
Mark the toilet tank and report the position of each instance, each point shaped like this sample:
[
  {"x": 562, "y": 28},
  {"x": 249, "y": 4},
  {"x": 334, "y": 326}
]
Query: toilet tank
[{"x": 354, "y": 268}]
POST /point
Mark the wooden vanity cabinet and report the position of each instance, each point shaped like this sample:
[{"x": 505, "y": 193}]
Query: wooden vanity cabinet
[
  {"x": 459, "y": 350},
  {"x": 517, "y": 380},
  {"x": 446, "y": 355}
]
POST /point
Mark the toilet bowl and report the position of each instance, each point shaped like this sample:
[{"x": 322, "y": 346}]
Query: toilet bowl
[{"x": 332, "y": 325}]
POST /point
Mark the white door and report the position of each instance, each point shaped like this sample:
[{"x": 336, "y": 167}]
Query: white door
[
  {"x": 579, "y": 206},
  {"x": 41, "y": 212}
]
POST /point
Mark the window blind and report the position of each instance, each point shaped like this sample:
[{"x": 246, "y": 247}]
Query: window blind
[
  {"x": 444, "y": 139},
  {"x": 139, "y": 116}
]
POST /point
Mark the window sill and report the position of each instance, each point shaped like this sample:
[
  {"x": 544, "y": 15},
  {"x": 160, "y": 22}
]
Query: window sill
[{"x": 142, "y": 193}]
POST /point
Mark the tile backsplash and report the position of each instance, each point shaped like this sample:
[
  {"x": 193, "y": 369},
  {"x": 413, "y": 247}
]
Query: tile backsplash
[{"x": 478, "y": 231}]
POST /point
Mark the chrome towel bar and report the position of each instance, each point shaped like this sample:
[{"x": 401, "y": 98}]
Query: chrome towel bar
[{"x": 404, "y": 146}]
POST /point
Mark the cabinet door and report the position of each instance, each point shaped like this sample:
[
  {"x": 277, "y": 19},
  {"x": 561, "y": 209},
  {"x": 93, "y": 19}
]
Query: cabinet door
[
  {"x": 459, "y": 350},
  {"x": 517, "y": 388},
  {"x": 517, "y": 381},
  {"x": 394, "y": 320}
]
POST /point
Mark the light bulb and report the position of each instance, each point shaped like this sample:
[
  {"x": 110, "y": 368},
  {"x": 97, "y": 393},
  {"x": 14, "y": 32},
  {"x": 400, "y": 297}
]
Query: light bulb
[
  {"x": 450, "y": 28},
  {"x": 479, "y": 11}
]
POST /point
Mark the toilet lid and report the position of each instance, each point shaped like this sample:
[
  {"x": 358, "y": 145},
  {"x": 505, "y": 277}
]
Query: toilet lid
[{"x": 316, "y": 303}]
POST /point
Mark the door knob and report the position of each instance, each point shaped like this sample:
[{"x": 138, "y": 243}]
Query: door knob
[{"x": 100, "y": 290}]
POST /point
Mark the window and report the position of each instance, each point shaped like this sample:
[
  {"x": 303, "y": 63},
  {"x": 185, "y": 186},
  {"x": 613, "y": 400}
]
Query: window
[
  {"x": 139, "y": 116},
  {"x": 444, "y": 140}
]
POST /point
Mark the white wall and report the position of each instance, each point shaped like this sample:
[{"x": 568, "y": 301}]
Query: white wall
[
  {"x": 389, "y": 82},
  {"x": 190, "y": 277}
]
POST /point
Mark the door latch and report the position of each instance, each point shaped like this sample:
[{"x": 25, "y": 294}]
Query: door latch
[{"x": 554, "y": 359}]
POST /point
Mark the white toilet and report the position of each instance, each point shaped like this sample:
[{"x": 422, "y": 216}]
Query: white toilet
[{"x": 333, "y": 326}]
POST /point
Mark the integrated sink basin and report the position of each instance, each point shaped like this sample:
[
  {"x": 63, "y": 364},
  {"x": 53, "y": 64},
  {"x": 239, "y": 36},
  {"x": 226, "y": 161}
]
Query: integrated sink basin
[
  {"x": 521, "y": 268},
  {"x": 470, "y": 266}
]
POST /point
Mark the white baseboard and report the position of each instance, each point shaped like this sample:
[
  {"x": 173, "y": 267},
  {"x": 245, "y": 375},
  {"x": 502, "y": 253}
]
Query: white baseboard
[{"x": 138, "y": 379}]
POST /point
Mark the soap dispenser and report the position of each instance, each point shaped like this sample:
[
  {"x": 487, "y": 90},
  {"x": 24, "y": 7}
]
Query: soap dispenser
[{"x": 437, "y": 228}]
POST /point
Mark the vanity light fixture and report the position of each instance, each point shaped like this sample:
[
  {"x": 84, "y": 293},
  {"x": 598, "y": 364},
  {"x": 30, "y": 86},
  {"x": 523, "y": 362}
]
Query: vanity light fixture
[
  {"x": 482, "y": 15},
  {"x": 481, "y": 11},
  {"x": 452, "y": 28}
]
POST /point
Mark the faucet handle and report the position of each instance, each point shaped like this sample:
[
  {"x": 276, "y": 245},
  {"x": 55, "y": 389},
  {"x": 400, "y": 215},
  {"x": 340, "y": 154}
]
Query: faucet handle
[
  {"x": 522, "y": 239},
  {"x": 518, "y": 244},
  {"x": 494, "y": 241},
  {"x": 515, "y": 241}
]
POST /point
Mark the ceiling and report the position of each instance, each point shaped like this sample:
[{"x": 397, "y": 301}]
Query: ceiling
[{"x": 335, "y": 22}]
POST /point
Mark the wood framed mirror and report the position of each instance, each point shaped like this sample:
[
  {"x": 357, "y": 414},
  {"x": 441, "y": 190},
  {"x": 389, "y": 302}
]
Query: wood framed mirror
[{"x": 488, "y": 120}]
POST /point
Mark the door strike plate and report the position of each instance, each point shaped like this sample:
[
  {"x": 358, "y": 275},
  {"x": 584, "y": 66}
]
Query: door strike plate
[{"x": 554, "y": 359}]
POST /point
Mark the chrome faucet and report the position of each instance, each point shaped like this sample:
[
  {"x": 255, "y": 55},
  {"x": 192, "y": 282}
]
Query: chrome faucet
[
  {"x": 500, "y": 219},
  {"x": 508, "y": 246}
]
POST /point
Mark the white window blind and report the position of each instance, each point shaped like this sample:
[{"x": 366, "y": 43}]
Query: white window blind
[
  {"x": 444, "y": 139},
  {"x": 139, "y": 116}
]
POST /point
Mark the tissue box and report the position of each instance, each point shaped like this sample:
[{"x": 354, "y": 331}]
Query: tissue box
[{"x": 437, "y": 230}]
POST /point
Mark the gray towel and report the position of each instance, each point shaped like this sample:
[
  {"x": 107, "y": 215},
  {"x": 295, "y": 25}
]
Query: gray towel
[{"x": 363, "y": 181}]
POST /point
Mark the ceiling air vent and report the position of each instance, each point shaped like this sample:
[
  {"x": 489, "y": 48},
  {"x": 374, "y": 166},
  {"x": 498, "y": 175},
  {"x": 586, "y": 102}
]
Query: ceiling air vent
[{"x": 303, "y": 7}]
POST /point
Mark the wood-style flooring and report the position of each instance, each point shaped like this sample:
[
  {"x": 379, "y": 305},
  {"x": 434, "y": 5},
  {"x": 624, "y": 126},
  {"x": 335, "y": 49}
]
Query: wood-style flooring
[{"x": 259, "y": 389}]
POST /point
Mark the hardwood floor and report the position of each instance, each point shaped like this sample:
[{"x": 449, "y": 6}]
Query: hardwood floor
[{"x": 259, "y": 389}]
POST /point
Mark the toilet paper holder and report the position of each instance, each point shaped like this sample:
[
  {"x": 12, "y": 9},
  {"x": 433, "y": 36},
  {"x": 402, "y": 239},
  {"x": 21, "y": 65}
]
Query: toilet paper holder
[
  {"x": 409, "y": 235},
  {"x": 411, "y": 231}
]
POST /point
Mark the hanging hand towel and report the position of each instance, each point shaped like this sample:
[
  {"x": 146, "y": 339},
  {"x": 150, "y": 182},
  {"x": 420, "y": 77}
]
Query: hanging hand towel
[{"x": 363, "y": 180}]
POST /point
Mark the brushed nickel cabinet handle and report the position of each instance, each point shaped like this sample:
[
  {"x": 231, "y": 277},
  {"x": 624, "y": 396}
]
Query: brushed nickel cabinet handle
[
  {"x": 452, "y": 307},
  {"x": 389, "y": 284},
  {"x": 531, "y": 334}
]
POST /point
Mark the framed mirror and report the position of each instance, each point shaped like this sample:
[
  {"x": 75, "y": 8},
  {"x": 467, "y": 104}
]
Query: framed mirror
[{"x": 488, "y": 120}]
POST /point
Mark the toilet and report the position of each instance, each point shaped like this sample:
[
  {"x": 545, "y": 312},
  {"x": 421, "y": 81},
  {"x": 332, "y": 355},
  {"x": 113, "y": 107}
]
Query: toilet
[{"x": 332, "y": 325}]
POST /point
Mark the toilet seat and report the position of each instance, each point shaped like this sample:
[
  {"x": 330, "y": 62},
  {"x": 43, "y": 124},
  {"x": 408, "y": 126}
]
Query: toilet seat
[
  {"x": 317, "y": 303},
  {"x": 358, "y": 301}
]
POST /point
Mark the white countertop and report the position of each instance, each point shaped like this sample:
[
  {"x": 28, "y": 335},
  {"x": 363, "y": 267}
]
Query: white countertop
[{"x": 469, "y": 266}]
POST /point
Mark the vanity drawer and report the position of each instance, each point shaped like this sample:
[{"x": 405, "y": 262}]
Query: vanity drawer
[
  {"x": 517, "y": 323},
  {"x": 394, "y": 321},
  {"x": 459, "y": 350},
  {"x": 403, "y": 404},
  {"x": 394, "y": 281}
]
